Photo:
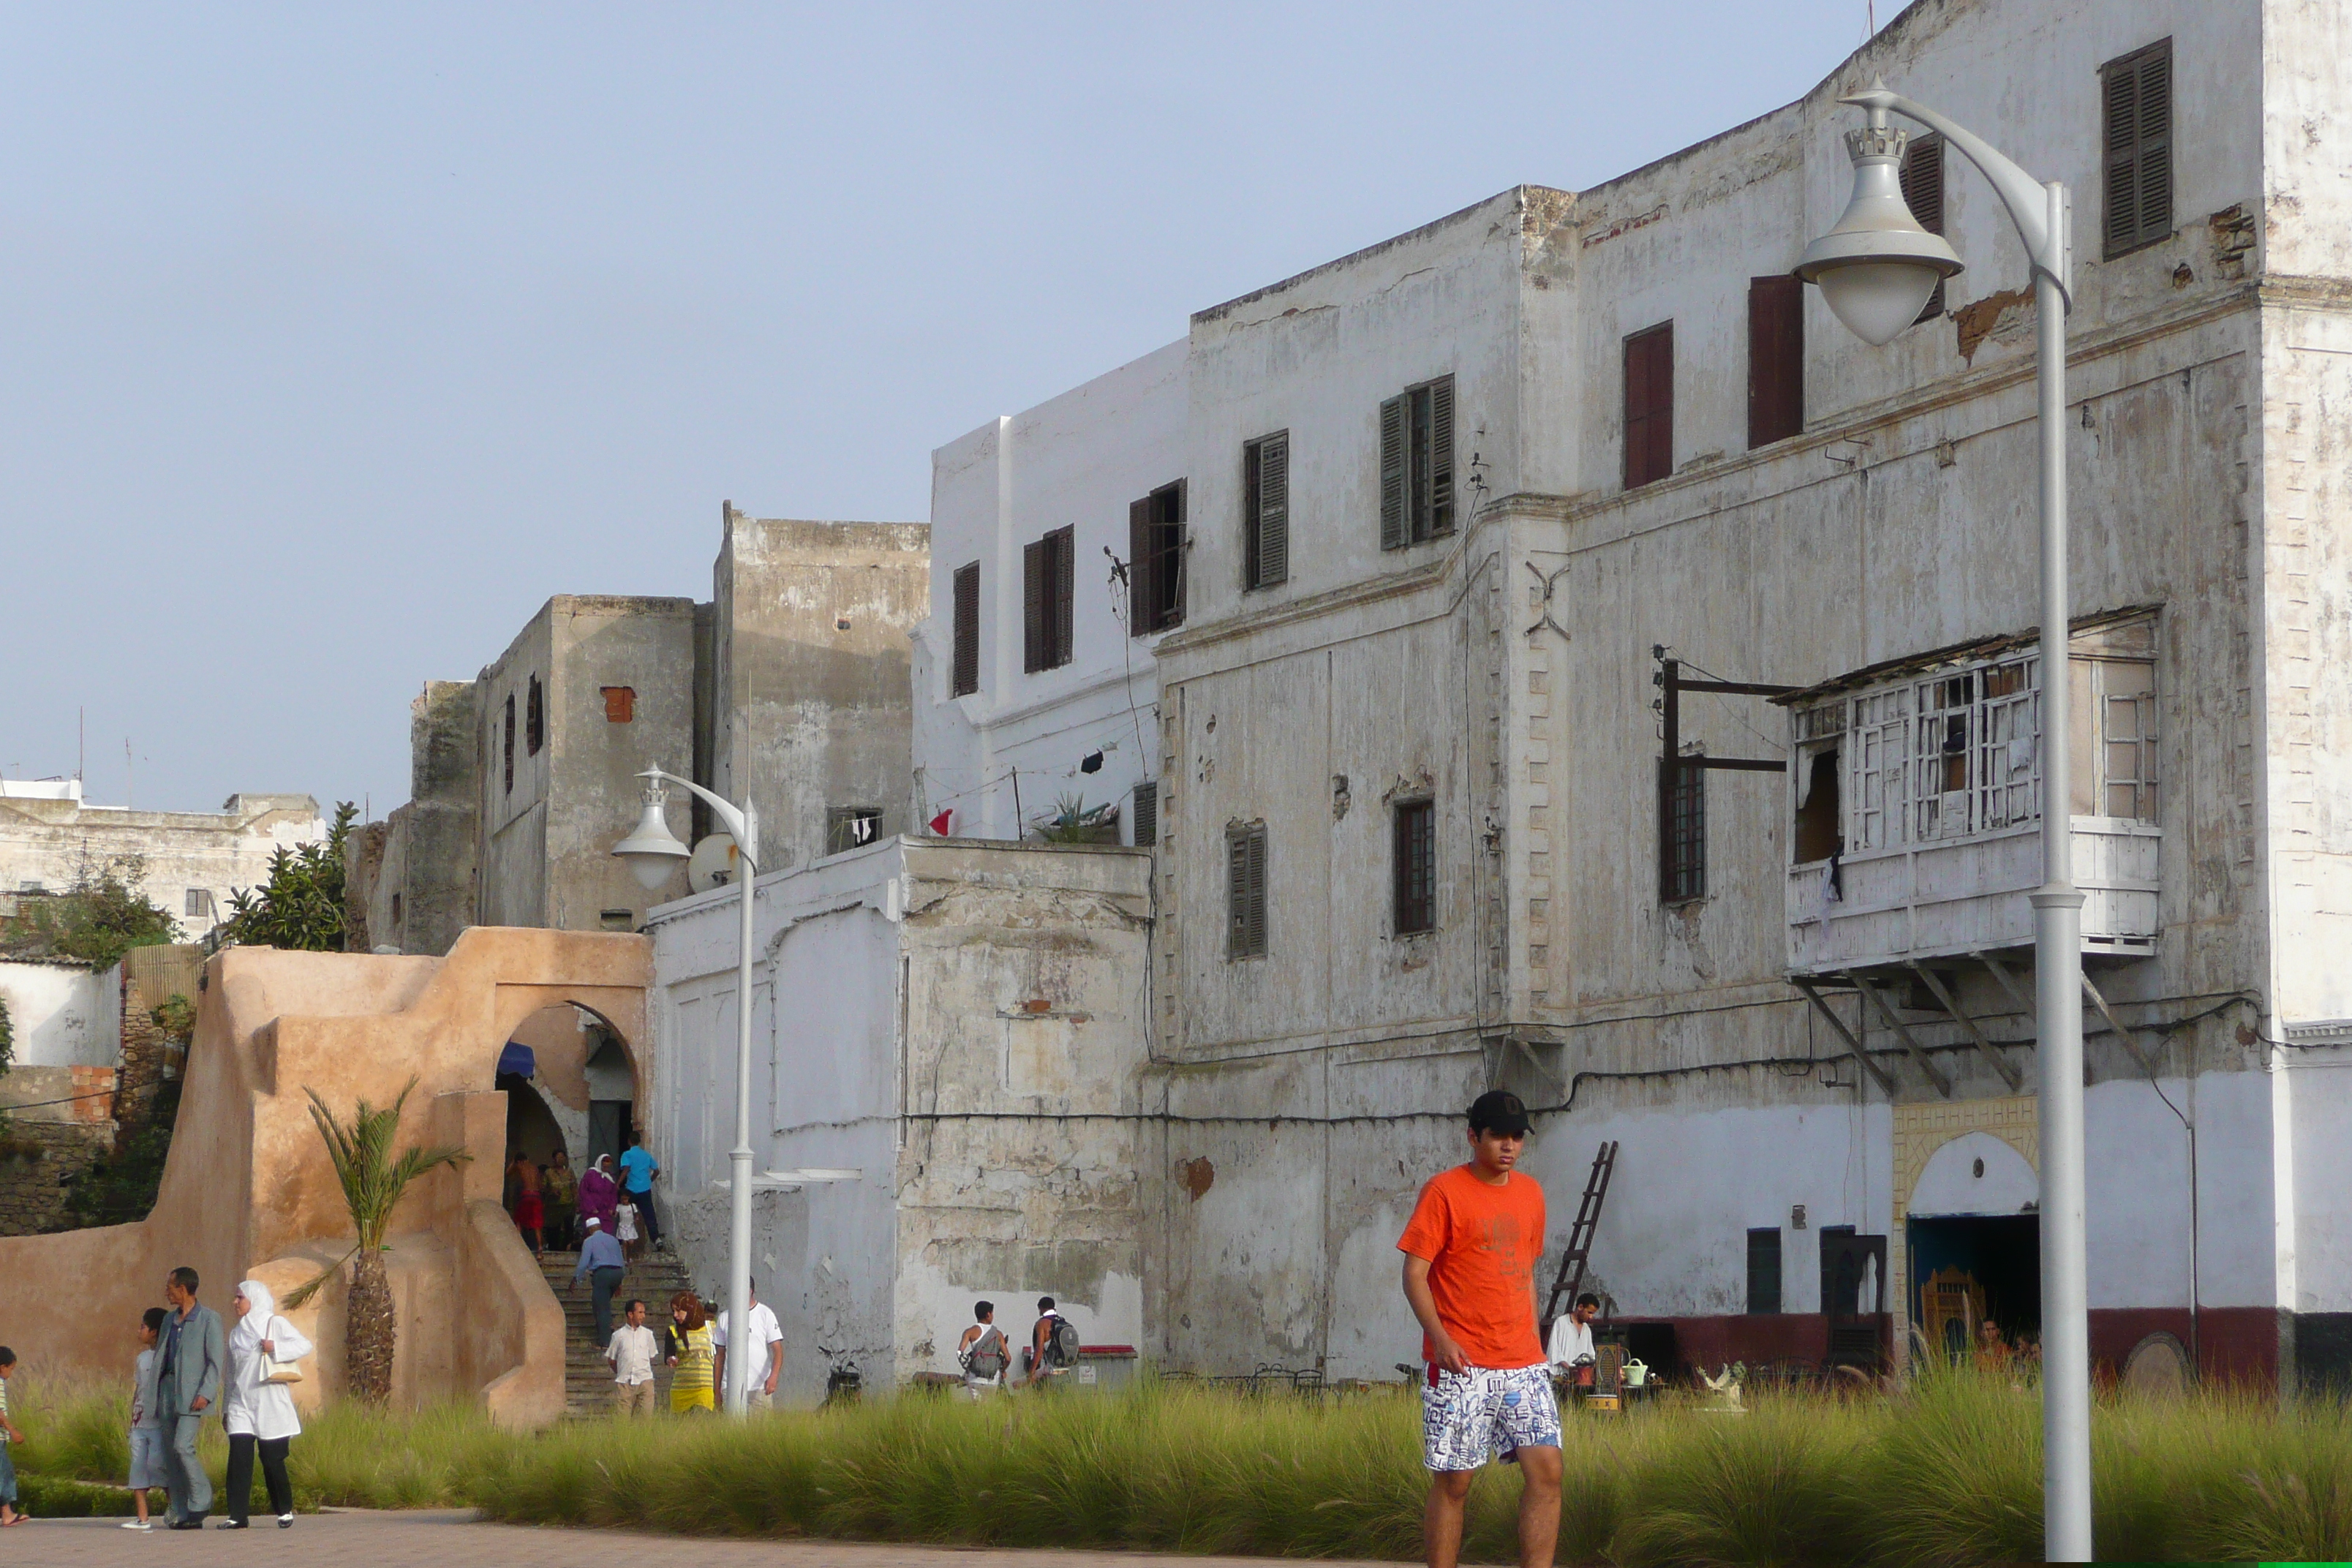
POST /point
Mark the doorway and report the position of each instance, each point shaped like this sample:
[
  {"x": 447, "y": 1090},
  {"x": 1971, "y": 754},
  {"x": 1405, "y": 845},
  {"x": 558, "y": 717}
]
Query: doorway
[{"x": 1968, "y": 1270}]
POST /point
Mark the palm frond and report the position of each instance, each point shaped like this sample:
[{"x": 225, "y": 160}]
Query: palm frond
[
  {"x": 301, "y": 1296},
  {"x": 373, "y": 1181}
]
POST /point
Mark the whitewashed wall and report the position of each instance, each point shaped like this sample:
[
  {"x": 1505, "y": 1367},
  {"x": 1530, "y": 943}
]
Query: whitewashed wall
[{"x": 63, "y": 1016}]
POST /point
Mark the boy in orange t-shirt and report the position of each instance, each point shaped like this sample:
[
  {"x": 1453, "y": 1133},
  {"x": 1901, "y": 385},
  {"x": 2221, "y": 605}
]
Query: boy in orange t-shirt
[{"x": 1470, "y": 1251}]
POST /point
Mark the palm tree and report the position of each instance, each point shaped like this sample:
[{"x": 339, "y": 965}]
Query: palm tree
[{"x": 374, "y": 1182}]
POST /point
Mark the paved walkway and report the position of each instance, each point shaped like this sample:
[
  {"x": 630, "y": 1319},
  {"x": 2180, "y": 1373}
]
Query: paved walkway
[{"x": 439, "y": 1538}]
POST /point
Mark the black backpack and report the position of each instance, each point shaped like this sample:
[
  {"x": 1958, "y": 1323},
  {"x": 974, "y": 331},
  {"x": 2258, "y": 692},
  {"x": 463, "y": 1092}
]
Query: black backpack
[{"x": 1062, "y": 1342}]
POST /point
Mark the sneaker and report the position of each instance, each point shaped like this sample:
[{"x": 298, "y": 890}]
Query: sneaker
[
  {"x": 232, "y": 1524},
  {"x": 285, "y": 1522},
  {"x": 137, "y": 1524},
  {"x": 185, "y": 1524}
]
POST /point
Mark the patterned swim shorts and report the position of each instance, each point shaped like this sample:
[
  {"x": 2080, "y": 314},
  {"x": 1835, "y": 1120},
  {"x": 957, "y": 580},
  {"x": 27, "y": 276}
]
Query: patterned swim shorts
[{"x": 1469, "y": 1417}]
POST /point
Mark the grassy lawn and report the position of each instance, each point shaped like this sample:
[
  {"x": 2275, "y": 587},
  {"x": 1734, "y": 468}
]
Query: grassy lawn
[{"x": 1947, "y": 1473}]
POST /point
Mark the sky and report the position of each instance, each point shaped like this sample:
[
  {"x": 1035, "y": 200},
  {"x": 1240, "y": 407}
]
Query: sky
[{"x": 335, "y": 339}]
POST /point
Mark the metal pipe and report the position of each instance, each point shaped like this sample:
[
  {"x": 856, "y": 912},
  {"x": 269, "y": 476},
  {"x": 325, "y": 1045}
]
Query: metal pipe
[{"x": 2058, "y": 985}]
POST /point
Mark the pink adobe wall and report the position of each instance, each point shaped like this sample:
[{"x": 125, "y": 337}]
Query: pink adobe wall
[{"x": 248, "y": 1191}]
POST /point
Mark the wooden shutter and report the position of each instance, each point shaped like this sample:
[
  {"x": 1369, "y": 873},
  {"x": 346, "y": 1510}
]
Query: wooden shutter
[
  {"x": 1922, "y": 179},
  {"x": 1764, "y": 1270},
  {"x": 2138, "y": 96},
  {"x": 1270, "y": 536},
  {"x": 1170, "y": 581},
  {"x": 965, "y": 677},
  {"x": 1776, "y": 359},
  {"x": 1414, "y": 867},
  {"x": 1395, "y": 526},
  {"x": 1648, "y": 404},
  {"x": 1036, "y": 594},
  {"x": 1441, "y": 455},
  {"x": 1246, "y": 890},
  {"x": 1145, "y": 830},
  {"x": 1064, "y": 545},
  {"x": 510, "y": 743},
  {"x": 1255, "y": 913},
  {"x": 1142, "y": 566}
]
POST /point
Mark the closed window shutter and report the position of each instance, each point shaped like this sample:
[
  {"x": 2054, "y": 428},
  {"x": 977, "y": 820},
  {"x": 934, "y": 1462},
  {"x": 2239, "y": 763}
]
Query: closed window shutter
[
  {"x": 1649, "y": 406},
  {"x": 1274, "y": 511},
  {"x": 966, "y": 674},
  {"x": 1036, "y": 594},
  {"x": 1440, "y": 455},
  {"x": 2138, "y": 147},
  {"x": 1256, "y": 912},
  {"x": 1146, "y": 830},
  {"x": 1395, "y": 527},
  {"x": 1922, "y": 180},
  {"x": 1142, "y": 562},
  {"x": 1246, "y": 890},
  {"x": 1065, "y": 545},
  {"x": 1171, "y": 582},
  {"x": 1776, "y": 359}
]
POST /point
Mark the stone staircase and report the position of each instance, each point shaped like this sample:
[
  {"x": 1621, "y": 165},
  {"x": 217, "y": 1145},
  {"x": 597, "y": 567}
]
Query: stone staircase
[{"x": 587, "y": 1376}]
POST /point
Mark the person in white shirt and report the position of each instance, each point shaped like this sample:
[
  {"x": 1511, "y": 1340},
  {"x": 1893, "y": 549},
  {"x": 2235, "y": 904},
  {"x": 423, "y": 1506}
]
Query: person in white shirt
[
  {"x": 1571, "y": 1350},
  {"x": 765, "y": 1331},
  {"x": 631, "y": 1352}
]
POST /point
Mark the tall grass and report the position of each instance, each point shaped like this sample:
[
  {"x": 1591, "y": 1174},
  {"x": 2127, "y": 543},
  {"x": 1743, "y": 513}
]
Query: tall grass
[{"x": 1946, "y": 1472}]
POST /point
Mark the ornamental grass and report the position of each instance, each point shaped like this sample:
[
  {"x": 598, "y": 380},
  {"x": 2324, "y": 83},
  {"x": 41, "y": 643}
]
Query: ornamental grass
[{"x": 1948, "y": 1471}]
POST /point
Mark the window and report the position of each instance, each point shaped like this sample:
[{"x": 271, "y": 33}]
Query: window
[
  {"x": 510, "y": 743},
  {"x": 1266, "y": 510},
  {"x": 1417, "y": 464},
  {"x": 1922, "y": 179},
  {"x": 534, "y": 729},
  {"x": 851, "y": 828},
  {"x": 396, "y": 909},
  {"x": 1246, "y": 890},
  {"x": 1776, "y": 359},
  {"x": 1145, "y": 816},
  {"x": 1155, "y": 561},
  {"x": 1682, "y": 866},
  {"x": 1648, "y": 404},
  {"x": 620, "y": 704},
  {"x": 199, "y": 902},
  {"x": 1416, "y": 867},
  {"x": 1048, "y": 569},
  {"x": 964, "y": 678},
  {"x": 1764, "y": 1270},
  {"x": 2115, "y": 709},
  {"x": 2138, "y": 93}
]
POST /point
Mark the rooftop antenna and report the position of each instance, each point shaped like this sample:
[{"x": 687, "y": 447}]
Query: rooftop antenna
[{"x": 1870, "y": 13}]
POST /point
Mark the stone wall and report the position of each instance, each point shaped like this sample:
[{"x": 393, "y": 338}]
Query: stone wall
[{"x": 39, "y": 1163}]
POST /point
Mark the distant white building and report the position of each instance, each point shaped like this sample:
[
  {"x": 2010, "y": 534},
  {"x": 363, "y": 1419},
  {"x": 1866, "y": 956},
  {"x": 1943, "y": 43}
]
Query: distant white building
[
  {"x": 1059, "y": 557},
  {"x": 190, "y": 861}
]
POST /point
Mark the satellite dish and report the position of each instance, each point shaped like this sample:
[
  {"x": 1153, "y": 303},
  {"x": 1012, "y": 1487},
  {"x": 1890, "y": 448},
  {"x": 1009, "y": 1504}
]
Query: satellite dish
[{"x": 712, "y": 864}]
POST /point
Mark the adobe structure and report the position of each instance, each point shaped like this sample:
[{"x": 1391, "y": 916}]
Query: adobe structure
[{"x": 248, "y": 1192}]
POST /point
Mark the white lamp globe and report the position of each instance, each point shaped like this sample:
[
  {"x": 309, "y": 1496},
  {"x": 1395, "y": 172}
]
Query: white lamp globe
[
  {"x": 653, "y": 851},
  {"x": 1878, "y": 267}
]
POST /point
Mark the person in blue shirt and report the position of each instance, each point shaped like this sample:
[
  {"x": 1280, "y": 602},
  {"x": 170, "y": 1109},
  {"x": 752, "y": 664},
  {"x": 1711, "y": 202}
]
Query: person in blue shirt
[
  {"x": 637, "y": 1174},
  {"x": 601, "y": 1261}
]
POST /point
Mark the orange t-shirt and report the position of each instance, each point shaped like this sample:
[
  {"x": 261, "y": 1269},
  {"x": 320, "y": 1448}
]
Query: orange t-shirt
[{"x": 1482, "y": 1244}]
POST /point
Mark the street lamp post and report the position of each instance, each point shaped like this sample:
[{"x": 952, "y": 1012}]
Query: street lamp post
[
  {"x": 1876, "y": 268},
  {"x": 653, "y": 852}
]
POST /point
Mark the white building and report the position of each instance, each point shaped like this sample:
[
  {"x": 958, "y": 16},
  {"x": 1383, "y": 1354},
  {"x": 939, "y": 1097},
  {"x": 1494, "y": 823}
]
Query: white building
[
  {"x": 1033, "y": 677},
  {"x": 190, "y": 861}
]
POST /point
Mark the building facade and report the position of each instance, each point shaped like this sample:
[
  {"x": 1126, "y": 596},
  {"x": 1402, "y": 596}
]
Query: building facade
[{"x": 189, "y": 862}]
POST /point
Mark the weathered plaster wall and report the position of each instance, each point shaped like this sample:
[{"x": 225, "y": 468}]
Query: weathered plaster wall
[
  {"x": 1075, "y": 461},
  {"x": 927, "y": 989},
  {"x": 62, "y": 1014},
  {"x": 812, "y": 655}
]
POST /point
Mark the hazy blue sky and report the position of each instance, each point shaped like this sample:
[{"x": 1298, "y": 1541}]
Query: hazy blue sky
[{"x": 337, "y": 338}]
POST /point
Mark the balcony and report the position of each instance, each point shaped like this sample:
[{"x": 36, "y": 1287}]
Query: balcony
[{"x": 1916, "y": 803}]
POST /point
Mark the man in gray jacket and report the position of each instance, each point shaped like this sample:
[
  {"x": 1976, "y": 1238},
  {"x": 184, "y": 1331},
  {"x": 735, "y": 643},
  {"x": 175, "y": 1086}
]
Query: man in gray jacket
[{"x": 189, "y": 1359}]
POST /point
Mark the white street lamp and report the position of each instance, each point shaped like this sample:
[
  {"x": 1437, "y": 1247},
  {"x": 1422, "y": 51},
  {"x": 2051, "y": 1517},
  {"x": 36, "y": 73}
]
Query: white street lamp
[
  {"x": 653, "y": 852},
  {"x": 1876, "y": 269}
]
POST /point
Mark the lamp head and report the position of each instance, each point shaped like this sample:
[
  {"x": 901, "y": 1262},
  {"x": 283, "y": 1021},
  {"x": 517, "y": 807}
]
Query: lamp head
[
  {"x": 653, "y": 851},
  {"x": 1876, "y": 267}
]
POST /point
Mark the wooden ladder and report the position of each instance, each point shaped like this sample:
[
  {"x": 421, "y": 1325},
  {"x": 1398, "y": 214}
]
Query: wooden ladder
[{"x": 1579, "y": 1234}]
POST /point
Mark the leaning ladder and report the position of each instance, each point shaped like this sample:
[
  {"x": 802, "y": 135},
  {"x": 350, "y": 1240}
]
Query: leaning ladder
[{"x": 1579, "y": 1234}]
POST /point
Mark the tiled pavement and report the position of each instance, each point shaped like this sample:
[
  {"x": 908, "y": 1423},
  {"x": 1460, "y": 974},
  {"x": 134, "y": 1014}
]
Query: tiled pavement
[{"x": 443, "y": 1537}]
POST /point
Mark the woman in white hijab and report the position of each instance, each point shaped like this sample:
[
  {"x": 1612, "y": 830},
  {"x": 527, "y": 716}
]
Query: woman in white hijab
[{"x": 258, "y": 1412}]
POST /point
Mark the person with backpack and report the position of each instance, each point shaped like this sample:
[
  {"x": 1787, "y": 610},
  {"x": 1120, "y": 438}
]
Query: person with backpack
[
  {"x": 1052, "y": 1343},
  {"x": 983, "y": 1351}
]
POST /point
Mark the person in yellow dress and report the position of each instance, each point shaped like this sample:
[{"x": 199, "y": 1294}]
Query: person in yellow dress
[{"x": 686, "y": 1346}]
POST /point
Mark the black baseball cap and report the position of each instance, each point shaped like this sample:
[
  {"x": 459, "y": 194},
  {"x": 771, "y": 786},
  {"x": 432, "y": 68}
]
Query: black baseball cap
[{"x": 1498, "y": 1111}]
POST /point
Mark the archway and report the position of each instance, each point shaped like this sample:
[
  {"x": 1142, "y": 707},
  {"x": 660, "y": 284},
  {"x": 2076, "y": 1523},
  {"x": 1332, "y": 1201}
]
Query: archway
[{"x": 1974, "y": 1237}]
